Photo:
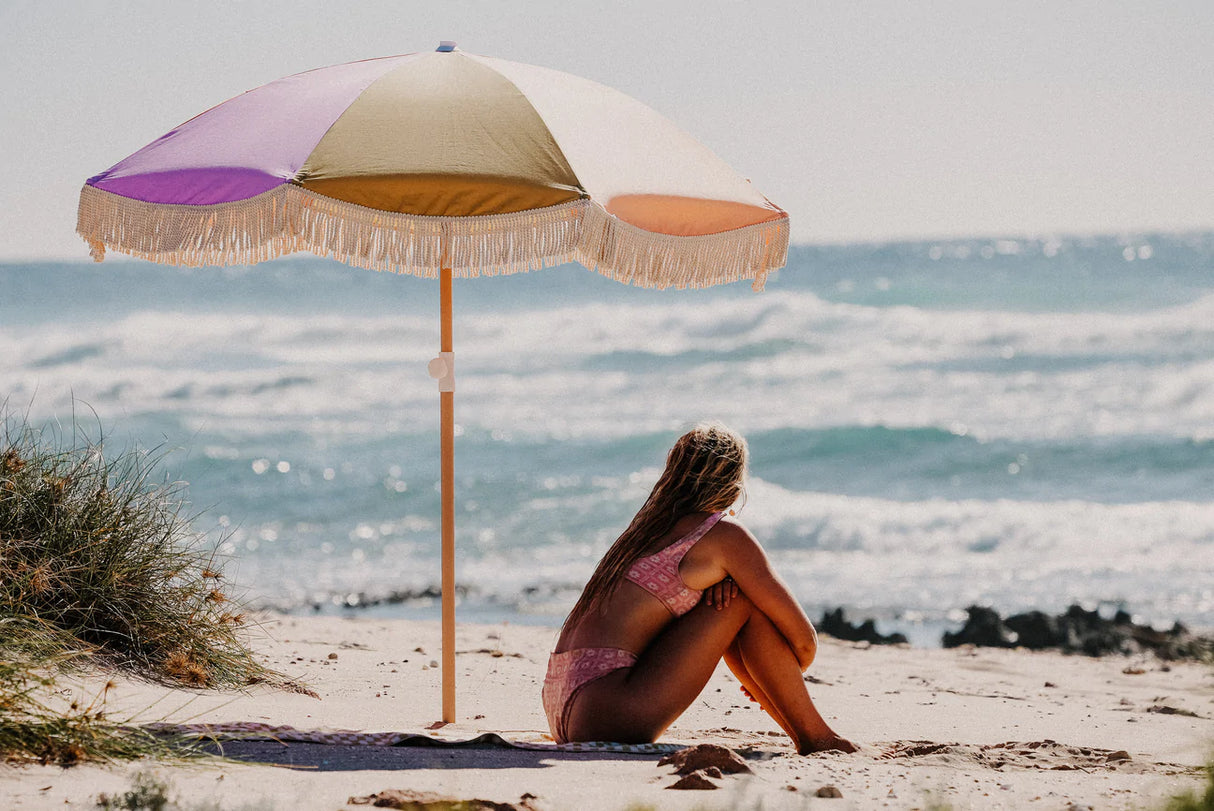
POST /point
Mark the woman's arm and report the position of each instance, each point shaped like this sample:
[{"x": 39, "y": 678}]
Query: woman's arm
[{"x": 745, "y": 561}]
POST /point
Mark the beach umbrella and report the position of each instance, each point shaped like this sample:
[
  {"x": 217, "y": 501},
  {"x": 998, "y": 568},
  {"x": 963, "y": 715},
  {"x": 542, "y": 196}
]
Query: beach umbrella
[{"x": 442, "y": 164}]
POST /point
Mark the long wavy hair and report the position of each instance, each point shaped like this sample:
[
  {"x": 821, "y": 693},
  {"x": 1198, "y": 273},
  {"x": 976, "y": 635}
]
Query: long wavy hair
[{"x": 705, "y": 472}]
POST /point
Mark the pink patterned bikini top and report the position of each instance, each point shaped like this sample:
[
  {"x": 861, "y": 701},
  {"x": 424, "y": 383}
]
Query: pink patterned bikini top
[{"x": 659, "y": 573}]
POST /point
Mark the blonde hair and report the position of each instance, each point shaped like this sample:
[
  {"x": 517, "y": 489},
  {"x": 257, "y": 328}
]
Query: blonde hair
[{"x": 705, "y": 472}]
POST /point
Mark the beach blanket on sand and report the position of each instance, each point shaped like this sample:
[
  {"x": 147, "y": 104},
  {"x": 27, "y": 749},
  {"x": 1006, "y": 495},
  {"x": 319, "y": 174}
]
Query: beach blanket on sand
[{"x": 254, "y": 731}]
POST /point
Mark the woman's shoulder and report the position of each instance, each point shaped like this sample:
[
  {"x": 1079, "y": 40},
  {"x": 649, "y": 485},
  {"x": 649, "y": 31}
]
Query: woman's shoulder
[
  {"x": 729, "y": 531},
  {"x": 732, "y": 523},
  {"x": 735, "y": 547}
]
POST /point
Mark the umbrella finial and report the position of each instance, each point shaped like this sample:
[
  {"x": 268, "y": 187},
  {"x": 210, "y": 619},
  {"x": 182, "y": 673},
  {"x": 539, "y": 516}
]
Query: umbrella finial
[{"x": 445, "y": 46}]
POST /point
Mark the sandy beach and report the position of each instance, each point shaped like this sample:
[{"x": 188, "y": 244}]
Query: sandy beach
[
  {"x": 961, "y": 728},
  {"x": 945, "y": 268}
]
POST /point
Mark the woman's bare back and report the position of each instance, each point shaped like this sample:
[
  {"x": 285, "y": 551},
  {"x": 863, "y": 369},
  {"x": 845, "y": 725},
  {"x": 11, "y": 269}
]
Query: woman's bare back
[{"x": 631, "y": 617}]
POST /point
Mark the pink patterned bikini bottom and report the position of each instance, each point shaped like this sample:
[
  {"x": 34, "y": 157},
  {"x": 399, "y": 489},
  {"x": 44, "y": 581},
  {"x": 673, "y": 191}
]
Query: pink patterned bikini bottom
[{"x": 571, "y": 670}]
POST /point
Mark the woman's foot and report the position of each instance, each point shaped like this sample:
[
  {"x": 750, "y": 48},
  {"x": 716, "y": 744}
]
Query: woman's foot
[{"x": 831, "y": 743}]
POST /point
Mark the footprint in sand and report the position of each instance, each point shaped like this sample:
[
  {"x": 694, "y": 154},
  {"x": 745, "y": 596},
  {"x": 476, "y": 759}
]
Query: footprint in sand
[{"x": 1043, "y": 755}]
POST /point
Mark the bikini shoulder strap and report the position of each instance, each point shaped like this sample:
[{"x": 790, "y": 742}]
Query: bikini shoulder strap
[{"x": 700, "y": 531}]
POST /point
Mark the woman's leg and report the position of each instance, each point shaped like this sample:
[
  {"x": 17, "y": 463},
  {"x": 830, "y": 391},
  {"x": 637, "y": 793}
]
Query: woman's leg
[
  {"x": 733, "y": 658},
  {"x": 638, "y": 704},
  {"x": 776, "y": 672}
]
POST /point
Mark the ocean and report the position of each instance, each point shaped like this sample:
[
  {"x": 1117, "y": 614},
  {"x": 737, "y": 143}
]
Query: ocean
[{"x": 1020, "y": 423}]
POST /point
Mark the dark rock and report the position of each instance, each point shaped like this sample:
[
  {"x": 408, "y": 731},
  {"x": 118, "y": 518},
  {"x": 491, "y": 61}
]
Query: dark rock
[
  {"x": 1035, "y": 630},
  {"x": 1200, "y": 648},
  {"x": 828, "y": 791},
  {"x": 1148, "y": 637},
  {"x": 1078, "y": 630},
  {"x": 835, "y": 624},
  {"x": 983, "y": 627},
  {"x": 1087, "y": 632}
]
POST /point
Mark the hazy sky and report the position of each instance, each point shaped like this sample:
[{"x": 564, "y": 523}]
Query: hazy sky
[{"x": 865, "y": 120}]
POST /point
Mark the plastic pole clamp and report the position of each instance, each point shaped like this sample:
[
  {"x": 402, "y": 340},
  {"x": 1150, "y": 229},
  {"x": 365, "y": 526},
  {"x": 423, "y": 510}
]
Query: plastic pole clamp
[{"x": 442, "y": 369}]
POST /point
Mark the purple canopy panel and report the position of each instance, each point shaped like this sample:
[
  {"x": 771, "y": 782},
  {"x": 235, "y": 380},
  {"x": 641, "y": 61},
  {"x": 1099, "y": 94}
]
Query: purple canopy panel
[{"x": 223, "y": 155}]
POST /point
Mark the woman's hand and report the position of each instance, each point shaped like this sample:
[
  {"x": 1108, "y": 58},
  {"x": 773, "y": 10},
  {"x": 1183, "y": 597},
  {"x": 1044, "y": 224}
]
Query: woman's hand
[
  {"x": 746, "y": 693},
  {"x": 719, "y": 594}
]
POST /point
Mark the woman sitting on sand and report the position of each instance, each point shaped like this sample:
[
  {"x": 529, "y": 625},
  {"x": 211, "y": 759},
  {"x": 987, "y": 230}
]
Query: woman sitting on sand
[{"x": 641, "y": 642}]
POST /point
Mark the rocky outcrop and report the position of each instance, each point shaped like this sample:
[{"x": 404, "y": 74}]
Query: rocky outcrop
[
  {"x": 834, "y": 623},
  {"x": 1078, "y": 631}
]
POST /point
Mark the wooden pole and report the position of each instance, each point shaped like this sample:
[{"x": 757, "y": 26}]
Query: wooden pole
[{"x": 447, "y": 487}]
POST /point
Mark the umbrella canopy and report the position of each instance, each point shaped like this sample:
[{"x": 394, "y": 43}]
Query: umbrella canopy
[
  {"x": 439, "y": 164},
  {"x": 429, "y": 160}
]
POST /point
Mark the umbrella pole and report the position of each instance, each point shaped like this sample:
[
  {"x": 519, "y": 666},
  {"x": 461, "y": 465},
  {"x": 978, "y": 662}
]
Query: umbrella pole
[{"x": 447, "y": 486}]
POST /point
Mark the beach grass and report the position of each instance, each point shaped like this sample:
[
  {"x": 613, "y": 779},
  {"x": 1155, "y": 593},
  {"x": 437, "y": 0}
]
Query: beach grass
[
  {"x": 147, "y": 793},
  {"x": 98, "y": 557},
  {"x": 33, "y": 730},
  {"x": 1200, "y": 800},
  {"x": 100, "y": 567},
  {"x": 150, "y": 792}
]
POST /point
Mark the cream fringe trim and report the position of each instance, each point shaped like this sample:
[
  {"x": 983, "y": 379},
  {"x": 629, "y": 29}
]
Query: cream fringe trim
[{"x": 289, "y": 219}]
